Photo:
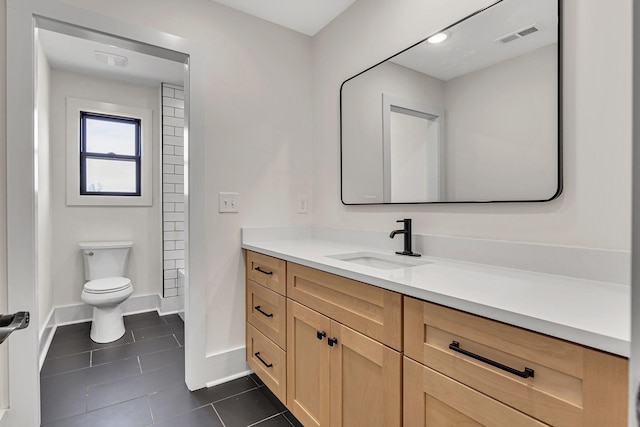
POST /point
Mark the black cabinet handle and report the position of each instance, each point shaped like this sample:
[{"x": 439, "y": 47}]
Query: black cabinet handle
[
  {"x": 321, "y": 334},
  {"x": 332, "y": 341},
  {"x": 257, "y": 307},
  {"x": 263, "y": 271},
  {"x": 268, "y": 365},
  {"x": 528, "y": 372}
]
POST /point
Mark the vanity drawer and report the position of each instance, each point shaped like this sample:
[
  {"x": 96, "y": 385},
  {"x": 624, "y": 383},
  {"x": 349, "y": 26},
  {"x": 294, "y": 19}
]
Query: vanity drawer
[
  {"x": 373, "y": 311},
  {"x": 267, "y": 312},
  {"x": 571, "y": 386},
  {"x": 268, "y": 361},
  {"x": 433, "y": 399},
  {"x": 267, "y": 271}
]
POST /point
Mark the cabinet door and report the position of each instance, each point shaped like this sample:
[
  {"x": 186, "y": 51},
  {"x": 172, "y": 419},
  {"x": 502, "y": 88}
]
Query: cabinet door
[
  {"x": 433, "y": 400},
  {"x": 308, "y": 364},
  {"x": 366, "y": 381}
]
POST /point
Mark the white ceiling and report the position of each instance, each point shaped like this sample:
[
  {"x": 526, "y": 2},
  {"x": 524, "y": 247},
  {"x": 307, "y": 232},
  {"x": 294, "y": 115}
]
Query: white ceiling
[
  {"x": 472, "y": 44},
  {"x": 305, "y": 16},
  {"x": 78, "y": 55}
]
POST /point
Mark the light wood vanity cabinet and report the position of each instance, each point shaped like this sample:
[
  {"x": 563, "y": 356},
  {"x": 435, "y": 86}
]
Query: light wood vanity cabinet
[
  {"x": 398, "y": 360},
  {"x": 341, "y": 369},
  {"x": 374, "y": 311},
  {"x": 339, "y": 377},
  {"x": 266, "y": 331},
  {"x": 505, "y": 372}
]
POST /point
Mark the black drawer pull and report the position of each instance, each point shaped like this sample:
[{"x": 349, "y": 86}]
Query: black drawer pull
[
  {"x": 268, "y": 365},
  {"x": 264, "y": 271},
  {"x": 321, "y": 334},
  {"x": 332, "y": 341},
  {"x": 257, "y": 307},
  {"x": 528, "y": 372}
]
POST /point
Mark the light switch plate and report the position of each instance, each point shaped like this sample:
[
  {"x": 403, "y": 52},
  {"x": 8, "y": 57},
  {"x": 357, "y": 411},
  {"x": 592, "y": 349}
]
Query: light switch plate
[
  {"x": 303, "y": 204},
  {"x": 229, "y": 202}
]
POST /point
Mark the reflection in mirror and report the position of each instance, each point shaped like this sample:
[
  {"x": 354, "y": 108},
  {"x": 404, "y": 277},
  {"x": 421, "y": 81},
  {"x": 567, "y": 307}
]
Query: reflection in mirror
[{"x": 473, "y": 118}]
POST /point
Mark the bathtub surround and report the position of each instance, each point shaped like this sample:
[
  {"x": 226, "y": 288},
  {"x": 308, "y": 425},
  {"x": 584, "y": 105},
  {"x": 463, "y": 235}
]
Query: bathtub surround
[{"x": 172, "y": 188}]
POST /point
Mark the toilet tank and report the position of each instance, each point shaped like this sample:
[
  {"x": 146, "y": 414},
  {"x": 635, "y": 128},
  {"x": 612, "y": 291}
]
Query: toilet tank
[{"x": 105, "y": 259}]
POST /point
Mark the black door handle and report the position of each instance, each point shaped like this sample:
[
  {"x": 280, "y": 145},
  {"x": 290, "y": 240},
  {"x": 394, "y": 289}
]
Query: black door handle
[
  {"x": 268, "y": 365},
  {"x": 257, "y": 307},
  {"x": 332, "y": 341},
  {"x": 263, "y": 271},
  {"x": 12, "y": 322},
  {"x": 528, "y": 372},
  {"x": 321, "y": 334}
]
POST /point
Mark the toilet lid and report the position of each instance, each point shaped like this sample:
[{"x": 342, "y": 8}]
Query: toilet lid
[{"x": 106, "y": 285}]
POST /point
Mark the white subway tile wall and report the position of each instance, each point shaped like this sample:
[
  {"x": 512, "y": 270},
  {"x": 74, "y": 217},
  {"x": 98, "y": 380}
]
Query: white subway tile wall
[{"x": 173, "y": 187}]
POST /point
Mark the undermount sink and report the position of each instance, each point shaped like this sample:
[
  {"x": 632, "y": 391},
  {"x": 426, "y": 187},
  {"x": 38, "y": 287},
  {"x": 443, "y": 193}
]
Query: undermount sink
[{"x": 381, "y": 261}]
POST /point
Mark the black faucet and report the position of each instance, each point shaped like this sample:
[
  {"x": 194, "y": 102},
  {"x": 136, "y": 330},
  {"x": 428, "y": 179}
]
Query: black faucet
[{"x": 407, "y": 237}]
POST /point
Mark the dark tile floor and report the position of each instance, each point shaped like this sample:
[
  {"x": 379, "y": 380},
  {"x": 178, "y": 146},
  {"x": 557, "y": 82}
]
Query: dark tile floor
[{"x": 139, "y": 381}]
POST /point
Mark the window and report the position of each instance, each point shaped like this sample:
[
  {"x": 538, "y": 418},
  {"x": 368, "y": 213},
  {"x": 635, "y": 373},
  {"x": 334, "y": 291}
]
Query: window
[{"x": 109, "y": 155}]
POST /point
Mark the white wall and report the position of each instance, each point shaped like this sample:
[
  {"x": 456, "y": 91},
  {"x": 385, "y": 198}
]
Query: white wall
[
  {"x": 257, "y": 134},
  {"x": 594, "y": 210},
  {"x": 73, "y": 224},
  {"x": 45, "y": 212},
  {"x": 4, "y": 367},
  {"x": 362, "y": 104},
  {"x": 515, "y": 95}
]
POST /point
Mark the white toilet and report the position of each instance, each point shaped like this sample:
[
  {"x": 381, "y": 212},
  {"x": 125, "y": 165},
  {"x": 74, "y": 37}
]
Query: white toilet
[{"x": 105, "y": 264}]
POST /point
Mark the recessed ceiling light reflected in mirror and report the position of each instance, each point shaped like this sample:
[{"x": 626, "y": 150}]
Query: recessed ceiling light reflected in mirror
[{"x": 437, "y": 38}]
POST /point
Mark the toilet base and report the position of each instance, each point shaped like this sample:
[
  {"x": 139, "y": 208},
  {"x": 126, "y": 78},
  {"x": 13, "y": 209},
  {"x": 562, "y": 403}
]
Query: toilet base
[{"x": 107, "y": 325}]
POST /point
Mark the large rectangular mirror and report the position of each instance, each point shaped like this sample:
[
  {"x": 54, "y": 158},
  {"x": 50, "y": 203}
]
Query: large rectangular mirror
[{"x": 470, "y": 118}]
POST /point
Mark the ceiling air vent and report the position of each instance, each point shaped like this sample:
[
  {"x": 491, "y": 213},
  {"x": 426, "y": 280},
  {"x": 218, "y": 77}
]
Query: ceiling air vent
[
  {"x": 111, "y": 59},
  {"x": 518, "y": 34}
]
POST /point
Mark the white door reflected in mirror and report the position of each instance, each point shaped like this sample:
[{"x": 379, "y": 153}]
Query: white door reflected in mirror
[{"x": 412, "y": 150}]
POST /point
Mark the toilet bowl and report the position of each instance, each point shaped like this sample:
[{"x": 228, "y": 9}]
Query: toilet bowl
[
  {"x": 106, "y": 295},
  {"x": 106, "y": 287}
]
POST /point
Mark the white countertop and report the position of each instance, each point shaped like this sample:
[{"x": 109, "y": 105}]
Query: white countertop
[{"x": 595, "y": 314}]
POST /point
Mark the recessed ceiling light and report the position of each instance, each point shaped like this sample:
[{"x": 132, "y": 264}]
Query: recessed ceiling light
[
  {"x": 111, "y": 59},
  {"x": 437, "y": 38}
]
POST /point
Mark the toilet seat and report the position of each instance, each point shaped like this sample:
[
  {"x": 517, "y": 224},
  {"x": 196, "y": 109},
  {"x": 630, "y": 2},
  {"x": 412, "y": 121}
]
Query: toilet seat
[{"x": 107, "y": 285}]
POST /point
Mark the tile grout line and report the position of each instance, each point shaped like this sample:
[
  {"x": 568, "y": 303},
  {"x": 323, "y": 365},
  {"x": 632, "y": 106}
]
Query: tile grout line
[
  {"x": 268, "y": 418},
  {"x": 153, "y": 419},
  {"x": 234, "y": 395},
  {"x": 176, "y": 338},
  {"x": 219, "y": 417}
]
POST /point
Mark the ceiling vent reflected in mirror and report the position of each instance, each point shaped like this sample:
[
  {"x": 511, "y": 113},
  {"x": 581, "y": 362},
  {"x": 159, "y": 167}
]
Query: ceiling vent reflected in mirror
[
  {"x": 518, "y": 34},
  {"x": 111, "y": 59}
]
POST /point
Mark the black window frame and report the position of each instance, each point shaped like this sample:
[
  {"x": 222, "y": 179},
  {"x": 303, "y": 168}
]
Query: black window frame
[{"x": 84, "y": 154}]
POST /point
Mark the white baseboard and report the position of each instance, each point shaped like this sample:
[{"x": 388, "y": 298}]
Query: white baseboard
[
  {"x": 229, "y": 378},
  {"x": 223, "y": 366},
  {"x": 46, "y": 336},
  {"x": 78, "y": 313}
]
